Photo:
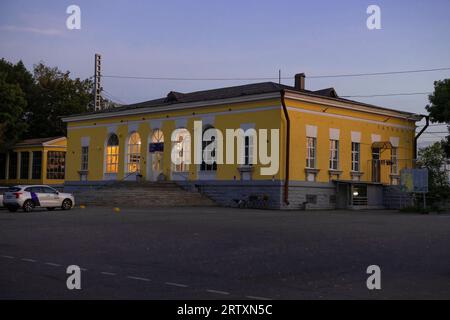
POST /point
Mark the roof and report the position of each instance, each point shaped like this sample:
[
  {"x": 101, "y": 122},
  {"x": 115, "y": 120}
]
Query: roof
[
  {"x": 37, "y": 141},
  {"x": 173, "y": 98}
]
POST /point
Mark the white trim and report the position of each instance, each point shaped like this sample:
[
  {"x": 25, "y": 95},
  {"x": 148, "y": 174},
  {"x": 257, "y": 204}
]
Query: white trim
[
  {"x": 349, "y": 118},
  {"x": 375, "y": 137},
  {"x": 334, "y": 134},
  {"x": 85, "y": 141},
  {"x": 356, "y": 136},
  {"x": 132, "y": 127},
  {"x": 352, "y": 105},
  {"x": 311, "y": 131},
  {"x": 181, "y": 123},
  {"x": 395, "y": 141},
  {"x": 172, "y": 107},
  {"x": 155, "y": 124},
  {"x": 115, "y": 124}
]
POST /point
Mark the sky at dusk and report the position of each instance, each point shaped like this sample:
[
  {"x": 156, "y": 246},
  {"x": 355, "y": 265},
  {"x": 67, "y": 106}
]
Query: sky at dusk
[{"x": 235, "y": 39}]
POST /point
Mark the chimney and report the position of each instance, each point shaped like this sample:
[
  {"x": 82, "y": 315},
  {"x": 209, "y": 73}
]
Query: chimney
[{"x": 299, "y": 81}]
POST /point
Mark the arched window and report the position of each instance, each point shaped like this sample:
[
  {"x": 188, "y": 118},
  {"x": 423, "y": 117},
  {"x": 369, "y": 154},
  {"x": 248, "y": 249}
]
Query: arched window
[
  {"x": 112, "y": 154},
  {"x": 157, "y": 136},
  {"x": 209, "y": 162},
  {"x": 181, "y": 150},
  {"x": 134, "y": 153}
]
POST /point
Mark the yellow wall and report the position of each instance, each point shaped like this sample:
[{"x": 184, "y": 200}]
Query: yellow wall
[
  {"x": 332, "y": 117},
  {"x": 266, "y": 114},
  {"x": 97, "y": 131},
  {"x": 57, "y": 146}
]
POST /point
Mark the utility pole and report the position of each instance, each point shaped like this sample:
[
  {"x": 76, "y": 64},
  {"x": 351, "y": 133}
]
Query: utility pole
[{"x": 97, "y": 87}]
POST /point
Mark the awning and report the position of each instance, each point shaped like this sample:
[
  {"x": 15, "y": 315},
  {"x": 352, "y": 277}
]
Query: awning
[{"x": 382, "y": 145}]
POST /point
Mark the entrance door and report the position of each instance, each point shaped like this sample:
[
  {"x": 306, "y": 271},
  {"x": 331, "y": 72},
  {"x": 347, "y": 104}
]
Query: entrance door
[
  {"x": 376, "y": 166},
  {"x": 156, "y": 165},
  {"x": 155, "y": 156}
]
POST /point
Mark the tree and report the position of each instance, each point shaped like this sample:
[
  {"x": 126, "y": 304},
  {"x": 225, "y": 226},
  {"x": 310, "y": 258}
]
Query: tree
[
  {"x": 439, "y": 108},
  {"x": 56, "y": 95},
  {"x": 434, "y": 158},
  {"x": 12, "y": 104}
]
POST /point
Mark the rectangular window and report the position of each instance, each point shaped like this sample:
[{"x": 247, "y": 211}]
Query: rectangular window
[
  {"x": 356, "y": 156},
  {"x": 56, "y": 164},
  {"x": 12, "y": 165},
  {"x": 24, "y": 165},
  {"x": 334, "y": 154},
  {"x": 311, "y": 152},
  {"x": 2, "y": 166},
  {"x": 394, "y": 160},
  {"x": 248, "y": 150},
  {"x": 84, "y": 158},
  {"x": 37, "y": 165}
]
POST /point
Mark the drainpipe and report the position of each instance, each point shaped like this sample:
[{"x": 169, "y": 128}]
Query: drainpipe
[
  {"x": 288, "y": 143},
  {"x": 427, "y": 119}
]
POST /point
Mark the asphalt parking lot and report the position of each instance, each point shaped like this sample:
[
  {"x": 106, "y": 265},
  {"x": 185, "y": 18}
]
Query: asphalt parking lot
[{"x": 223, "y": 253}]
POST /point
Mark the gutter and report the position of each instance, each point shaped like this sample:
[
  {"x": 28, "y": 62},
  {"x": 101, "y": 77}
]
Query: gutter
[
  {"x": 427, "y": 119},
  {"x": 288, "y": 144}
]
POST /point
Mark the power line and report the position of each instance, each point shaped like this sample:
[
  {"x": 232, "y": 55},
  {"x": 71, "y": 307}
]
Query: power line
[
  {"x": 270, "y": 78},
  {"x": 387, "y": 95},
  {"x": 378, "y": 73}
]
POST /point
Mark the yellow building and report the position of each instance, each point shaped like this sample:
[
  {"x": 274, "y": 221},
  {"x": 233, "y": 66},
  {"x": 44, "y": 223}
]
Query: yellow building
[
  {"x": 34, "y": 161},
  {"x": 333, "y": 152}
]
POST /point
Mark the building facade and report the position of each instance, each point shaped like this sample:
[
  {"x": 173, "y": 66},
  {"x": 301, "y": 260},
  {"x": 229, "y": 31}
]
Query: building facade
[
  {"x": 333, "y": 152},
  {"x": 34, "y": 161}
]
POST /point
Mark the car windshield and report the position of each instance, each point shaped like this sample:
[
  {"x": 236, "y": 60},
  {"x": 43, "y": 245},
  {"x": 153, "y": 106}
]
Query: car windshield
[{"x": 13, "y": 189}]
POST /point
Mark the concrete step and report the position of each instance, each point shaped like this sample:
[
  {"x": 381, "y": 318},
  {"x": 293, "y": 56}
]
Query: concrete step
[{"x": 140, "y": 194}]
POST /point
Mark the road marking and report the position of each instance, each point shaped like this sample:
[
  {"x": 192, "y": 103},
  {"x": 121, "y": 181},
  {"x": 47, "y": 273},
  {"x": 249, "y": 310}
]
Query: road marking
[
  {"x": 28, "y": 260},
  {"x": 8, "y": 257},
  {"x": 52, "y": 264},
  {"x": 138, "y": 278},
  {"x": 108, "y": 273},
  {"x": 257, "y": 298},
  {"x": 176, "y": 284},
  {"x": 217, "y": 291}
]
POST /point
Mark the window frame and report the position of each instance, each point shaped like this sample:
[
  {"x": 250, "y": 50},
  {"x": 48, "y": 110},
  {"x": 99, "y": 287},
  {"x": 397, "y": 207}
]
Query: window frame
[
  {"x": 112, "y": 152},
  {"x": 133, "y": 156},
  {"x": 56, "y": 165},
  {"x": 334, "y": 155},
  {"x": 311, "y": 152},
  {"x": 356, "y": 156}
]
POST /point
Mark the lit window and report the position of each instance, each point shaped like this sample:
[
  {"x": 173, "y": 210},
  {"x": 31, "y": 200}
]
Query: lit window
[
  {"x": 56, "y": 164},
  {"x": 112, "y": 154},
  {"x": 355, "y": 156},
  {"x": 311, "y": 152},
  {"x": 334, "y": 154},
  {"x": 134, "y": 153}
]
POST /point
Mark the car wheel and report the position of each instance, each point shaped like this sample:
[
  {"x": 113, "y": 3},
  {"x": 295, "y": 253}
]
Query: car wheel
[
  {"x": 28, "y": 206},
  {"x": 51, "y": 209},
  {"x": 66, "y": 204},
  {"x": 12, "y": 209}
]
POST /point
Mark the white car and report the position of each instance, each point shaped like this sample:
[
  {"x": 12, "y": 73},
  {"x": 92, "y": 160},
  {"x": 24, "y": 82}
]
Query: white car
[
  {"x": 2, "y": 191},
  {"x": 31, "y": 196}
]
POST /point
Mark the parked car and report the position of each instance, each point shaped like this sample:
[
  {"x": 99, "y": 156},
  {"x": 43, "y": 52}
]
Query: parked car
[
  {"x": 2, "y": 191},
  {"x": 31, "y": 196}
]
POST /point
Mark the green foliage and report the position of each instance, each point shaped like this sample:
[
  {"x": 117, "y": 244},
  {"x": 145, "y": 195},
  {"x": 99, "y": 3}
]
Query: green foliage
[
  {"x": 433, "y": 158},
  {"x": 32, "y": 104},
  {"x": 56, "y": 95},
  {"x": 12, "y": 105},
  {"x": 439, "y": 109}
]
